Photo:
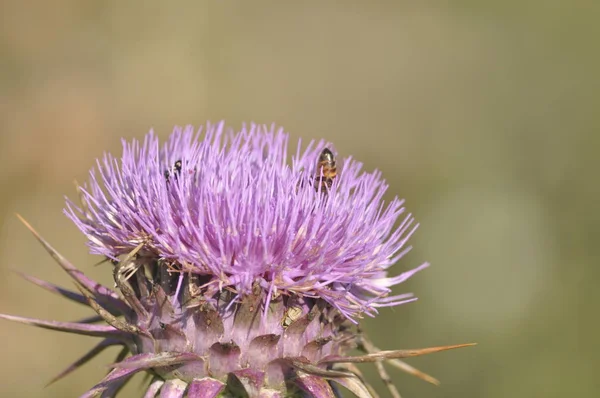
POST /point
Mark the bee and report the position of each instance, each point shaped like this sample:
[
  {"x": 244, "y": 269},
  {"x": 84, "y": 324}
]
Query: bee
[
  {"x": 175, "y": 170},
  {"x": 326, "y": 170}
]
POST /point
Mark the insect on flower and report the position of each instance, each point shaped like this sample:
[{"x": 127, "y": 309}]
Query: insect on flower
[
  {"x": 175, "y": 170},
  {"x": 233, "y": 284},
  {"x": 326, "y": 171}
]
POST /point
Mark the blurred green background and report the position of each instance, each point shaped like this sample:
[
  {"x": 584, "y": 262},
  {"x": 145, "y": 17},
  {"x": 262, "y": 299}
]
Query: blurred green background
[{"x": 483, "y": 115}]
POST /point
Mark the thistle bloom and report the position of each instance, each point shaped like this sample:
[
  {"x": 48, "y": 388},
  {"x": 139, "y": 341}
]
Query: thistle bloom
[{"x": 237, "y": 273}]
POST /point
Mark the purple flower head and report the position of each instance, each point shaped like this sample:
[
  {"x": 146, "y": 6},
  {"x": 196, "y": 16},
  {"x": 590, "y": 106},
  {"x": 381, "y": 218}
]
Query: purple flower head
[
  {"x": 230, "y": 208},
  {"x": 214, "y": 228}
]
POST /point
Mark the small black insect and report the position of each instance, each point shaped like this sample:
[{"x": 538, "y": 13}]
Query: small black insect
[{"x": 175, "y": 170}]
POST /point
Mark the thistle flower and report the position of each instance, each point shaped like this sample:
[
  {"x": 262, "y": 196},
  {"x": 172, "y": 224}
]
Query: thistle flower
[{"x": 237, "y": 274}]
